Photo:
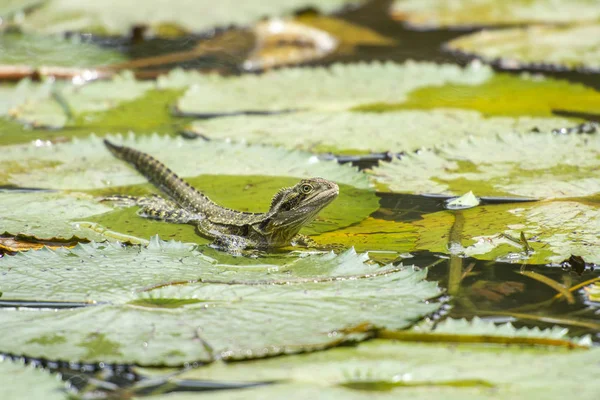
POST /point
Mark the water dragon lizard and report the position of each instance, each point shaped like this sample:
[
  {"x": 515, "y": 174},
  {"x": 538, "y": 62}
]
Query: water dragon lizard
[{"x": 232, "y": 231}]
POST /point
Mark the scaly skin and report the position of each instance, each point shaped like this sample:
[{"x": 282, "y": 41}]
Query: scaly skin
[{"x": 233, "y": 231}]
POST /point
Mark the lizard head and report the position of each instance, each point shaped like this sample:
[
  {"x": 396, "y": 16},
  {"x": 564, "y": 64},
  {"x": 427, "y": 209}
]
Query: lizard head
[{"x": 294, "y": 207}]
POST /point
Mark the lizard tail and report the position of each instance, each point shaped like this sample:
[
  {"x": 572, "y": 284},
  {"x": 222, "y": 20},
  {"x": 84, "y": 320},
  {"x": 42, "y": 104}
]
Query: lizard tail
[{"x": 160, "y": 176}]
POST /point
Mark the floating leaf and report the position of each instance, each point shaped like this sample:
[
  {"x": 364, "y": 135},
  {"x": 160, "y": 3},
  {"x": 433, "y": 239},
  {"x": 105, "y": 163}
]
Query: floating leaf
[
  {"x": 55, "y": 275},
  {"x": 345, "y": 131},
  {"x": 62, "y": 104},
  {"x": 48, "y": 215},
  {"x": 554, "y": 230},
  {"x": 243, "y": 193},
  {"x": 480, "y": 327},
  {"x": 37, "y": 50},
  {"x": 573, "y": 47},
  {"x": 502, "y": 95},
  {"x": 386, "y": 370},
  {"x": 87, "y": 164},
  {"x": 468, "y": 13},
  {"x": 119, "y": 17},
  {"x": 541, "y": 166},
  {"x": 216, "y": 312},
  {"x": 340, "y": 87},
  {"x": 27, "y": 382}
]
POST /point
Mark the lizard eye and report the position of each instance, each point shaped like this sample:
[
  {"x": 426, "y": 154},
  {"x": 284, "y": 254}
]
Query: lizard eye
[{"x": 306, "y": 188}]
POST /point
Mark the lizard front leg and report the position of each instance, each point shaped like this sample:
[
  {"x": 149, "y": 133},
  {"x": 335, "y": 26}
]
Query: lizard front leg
[
  {"x": 154, "y": 207},
  {"x": 303, "y": 241},
  {"x": 306, "y": 241}
]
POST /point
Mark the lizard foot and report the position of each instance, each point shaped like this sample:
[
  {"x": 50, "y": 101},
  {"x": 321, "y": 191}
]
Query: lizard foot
[{"x": 305, "y": 241}]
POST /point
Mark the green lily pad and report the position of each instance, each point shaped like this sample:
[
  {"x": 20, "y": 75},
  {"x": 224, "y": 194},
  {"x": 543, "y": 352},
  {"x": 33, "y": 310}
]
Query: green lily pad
[
  {"x": 229, "y": 313},
  {"x": 62, "y": 104},
  {"x": 387, "y": 370},
  {"x": 573, "y": 47},
  {"x": 87, "y": 164},
  {"x": 502, "y": 95},
  {"x": 536, "y": 165},
  {"x": 468, "y": 13},
  {"x": 555, "y": 230},
  {"x": 340, "y": 87},
  {"x": 480, "y": 327},
  {"x": 119, "y": 17},
  {"x": 28, "y": 382},
  {"x": 416, "y": 86},
  {"x": 49, "y": 215},
  {"x": 344, "y": 132},
  {"x": 243, "y": 193},
  {"x": 55, "y": 275},
  {"x": 37, "y": 51}
]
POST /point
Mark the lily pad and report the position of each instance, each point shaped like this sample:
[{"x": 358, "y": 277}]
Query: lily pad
[
  {"x": 344, "y": 132},
  {"x": 48, "y": 215},
  {"x": 62, "y": 104},
  {"x": 227, "y": 314},
  {"x": 25, "y": 381},
  {"x": 555, "y": 230},
  {"x": 87, "y": 164},
  {"x": 37, "y": 50},
  {"x": 430, "y": 14},
  {"x": 118, "y": 17},
  {"x": 572, "y": 47},
  {"x": 536, "y": 165},
  {"x": 243, "y": 193},
  {"x": 386, "y": 370},
  {"x": 480, "y": 327},
  {"x": 502, "y": 95},
  {"x": 340, "y": 87}
]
